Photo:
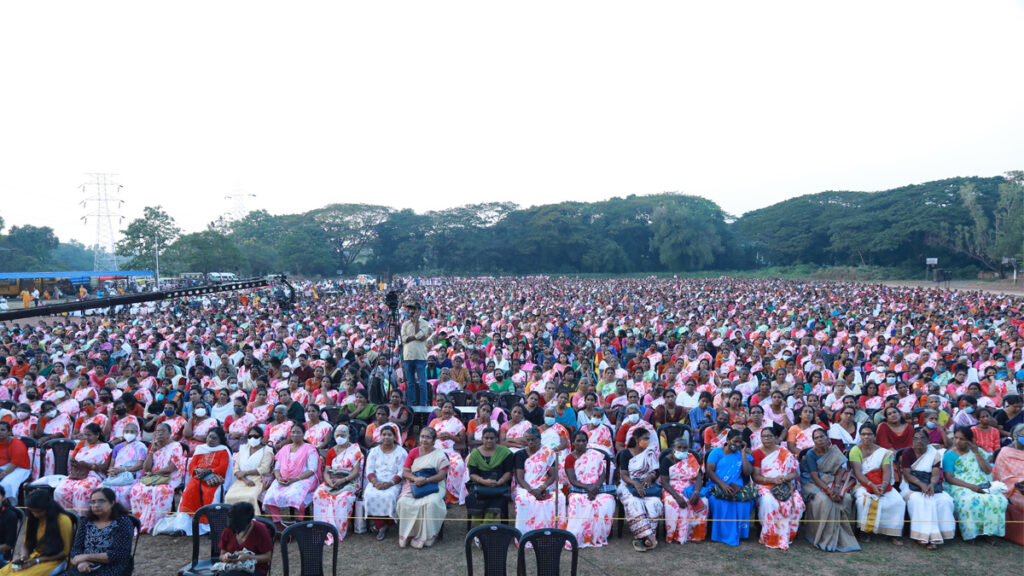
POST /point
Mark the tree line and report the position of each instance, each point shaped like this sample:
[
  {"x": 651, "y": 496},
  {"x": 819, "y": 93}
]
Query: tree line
[{"x": 968, "y": 223}]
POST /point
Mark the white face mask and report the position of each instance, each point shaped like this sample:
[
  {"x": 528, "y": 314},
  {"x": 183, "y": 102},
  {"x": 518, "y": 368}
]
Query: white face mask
[
  {"x": 341, "y": 439},
  {"x": 130, "y": 436},
  {"x": 51, "y": 414},
  {"x": 253, "y": 442},
  {"x": 22, "y": 415},
  {"x": 680, "y": 455},
  {"x": 633, "y": 418},
  {"x": 201, "y": 412}
]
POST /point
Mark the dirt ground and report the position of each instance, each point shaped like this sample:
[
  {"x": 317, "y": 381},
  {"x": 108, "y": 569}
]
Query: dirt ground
[{"x": 361, "y": 554}]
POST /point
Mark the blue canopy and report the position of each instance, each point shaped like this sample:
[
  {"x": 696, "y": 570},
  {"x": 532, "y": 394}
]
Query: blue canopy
[{"x": 72, "y": 274}]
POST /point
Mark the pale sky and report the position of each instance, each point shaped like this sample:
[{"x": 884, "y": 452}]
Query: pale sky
[{"x": 430, "y": 105}]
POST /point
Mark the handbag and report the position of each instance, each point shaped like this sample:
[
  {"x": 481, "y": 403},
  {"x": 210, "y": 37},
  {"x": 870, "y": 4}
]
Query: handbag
[
  {"x": 782, "y": 492},
  {"x": 925, "y": 477},
  {"x": 489, "y": 491},
  {"x": 426, "y": 489},
  {"x": 746, "y": 494},
  {"x": 604, "y": 489},
  {"x": 155, "y": 479},
  {"x": 121, "y": 479},
  {"x": 652, "y": 491}
]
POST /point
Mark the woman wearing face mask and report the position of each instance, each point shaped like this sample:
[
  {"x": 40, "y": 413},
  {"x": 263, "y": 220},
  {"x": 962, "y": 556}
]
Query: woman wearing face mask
[
  {"x": 630, "y": 420},
  {"x": 238, "y": 424},
  {"x": 253, "y": 468},
  {"x": 126, "y": 464},
  {"x": 294, "y": 477},
  {"x": 207, "y": 473},
  {"x": 1009, "y": 469},
  {"x": 334, "y": 499},
  {"x": 451, "y": 434},
  {"x": 170, "y": 415},
  {"x": 86, "y": 468},
  {"x": 24, "y": 421},
  {"x": 536, "y": 470},
  {"x": 639, "y": 490},
  {"x": 686, "y": 512},
  {"x": 930, "y": 509},
  {"x": 118, "y": 422},
  {"x": 51, "y": 424},
  {"x": 14, "y": 462},
  {"x": 153, "y": 496},
  {"x": 198, "y": 427},
  {"x": 87, "y": 416}
]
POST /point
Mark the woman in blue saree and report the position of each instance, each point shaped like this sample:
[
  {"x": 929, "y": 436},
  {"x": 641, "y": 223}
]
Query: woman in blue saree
[{"x": 731, "y": 492}]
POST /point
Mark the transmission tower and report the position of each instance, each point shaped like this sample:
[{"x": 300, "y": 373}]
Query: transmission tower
[
  {"x": 238, "y": 207},
  {"x": 103, "y": 206}
]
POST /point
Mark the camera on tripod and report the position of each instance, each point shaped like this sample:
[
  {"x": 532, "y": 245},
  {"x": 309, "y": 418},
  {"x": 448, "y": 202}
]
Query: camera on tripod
[{"x": 391, "y": 301}]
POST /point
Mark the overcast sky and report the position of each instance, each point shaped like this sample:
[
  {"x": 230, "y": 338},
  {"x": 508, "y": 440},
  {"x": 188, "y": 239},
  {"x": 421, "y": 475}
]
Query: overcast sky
[{"x": 436, "y": 104}]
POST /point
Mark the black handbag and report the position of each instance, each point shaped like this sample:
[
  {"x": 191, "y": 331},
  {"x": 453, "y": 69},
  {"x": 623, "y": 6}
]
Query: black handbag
[
  {"x": 653, "y": 491},
  {"x": 925, "y": 477}
]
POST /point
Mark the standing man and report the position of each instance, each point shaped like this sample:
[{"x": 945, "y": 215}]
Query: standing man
[{"x": 415, "y": 332}]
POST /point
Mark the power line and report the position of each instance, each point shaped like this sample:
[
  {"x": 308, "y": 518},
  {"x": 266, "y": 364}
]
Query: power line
[{"x": 104, "y": 208}]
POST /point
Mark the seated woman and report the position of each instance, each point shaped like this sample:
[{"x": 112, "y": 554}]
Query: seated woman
[
  {"x": 639, "y": 490},
  {"x": 103, "y": 541},
  {"x": 14, "y": 462},
  {"x": 931, "y": 509},
  {"x": 880, "y": 510},
  {"x": 8, "y": 528},
  {"x": 384, "y": 480},
  {"x": 780, "y": 505},
  {"x": 126, "y": 463},
  {"x": 686, "y": 513},
  {"x": 490, "y": 476},
  {"x": 825, "y": 487},
  {"x": 967, "y": 475},
  {"x": 48, "y": 536},
  {"x": 421, "y": 509},
  {"x": 207, "y": 471},
  {"x": 800, "y": 435},
  {"x": 86, "y": 467},
  {"x": 238, "y": 424},
  {"x": 334, "y": 499},
  {"x": 1009, "y": 469},
  {"x": 451, "y": 434},
  {"x": 246, "y": 546},
  {"x": 535, "y": 471},
  {"x": 153, "y": 496},
  {"x": 894, "y": 433},
  {"x": 590, "y": 509},
  {"x": 253, "y": 470},
  {"x": 198, "y": 427},
  {"x": 732, "y": 492},
  {"x": 318, "y": 431},
  {"x": 295, "y": 469},
  {"x": 476, "y": 426},
  {"x": 279, "y": 429},
  {"x": 512, "y": 433},
  {"x": 380, "y": 420}
]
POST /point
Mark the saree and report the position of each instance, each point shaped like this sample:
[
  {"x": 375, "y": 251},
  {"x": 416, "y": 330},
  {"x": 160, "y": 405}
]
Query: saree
[
  {"x": 531, "y": 513},
  {"x": 600, "y": 438},
  {"x": 151, "y": 503},
  {"x": 458, "y": 473},
  {"x": 730, "y": 519},
  {"x": 336, "y": 508},
  {"x": 247, "y": 460},
  {"x": 487, "y": 501},
  {"x": 877, "y": 514},
  {"x": 931, "y": 517},
  {"x": 199, "y": 432},
  {"x": 779, "y": 520},
  {"x": 74, "y": 494},
  {"x": 517, "y": 431},
  {"x": 642, "y": 512},
  {"x": 684, "y": 524},
  {"x": 1009, "y": 469},
  {"x": 803, "y": 439},
  {"x": 827, "y": 523},
  {"x": 420, "y": 519},
  {"x": 125, "y": 455},
  {"x": 590, "y": 520},
  {"x": 978, "y": 514},
  {"x": 292, "y": 463}
]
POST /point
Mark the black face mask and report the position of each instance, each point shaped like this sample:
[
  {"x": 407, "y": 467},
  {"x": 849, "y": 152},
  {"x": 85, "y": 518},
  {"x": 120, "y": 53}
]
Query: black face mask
[{"x": 121, "y": 411}]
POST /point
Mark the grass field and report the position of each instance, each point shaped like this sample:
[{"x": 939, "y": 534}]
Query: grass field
[{"x": 361, "y": 554}]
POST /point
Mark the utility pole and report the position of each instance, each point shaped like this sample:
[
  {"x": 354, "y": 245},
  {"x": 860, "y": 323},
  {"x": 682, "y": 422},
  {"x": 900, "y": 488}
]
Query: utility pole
[
  {"x": 103, "y": 207},
  {"x": 156, "y": 253}
]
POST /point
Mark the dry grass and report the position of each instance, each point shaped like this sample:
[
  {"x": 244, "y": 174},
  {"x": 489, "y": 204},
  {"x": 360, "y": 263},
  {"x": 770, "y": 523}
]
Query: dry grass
[{"x": 361, "y": 554}]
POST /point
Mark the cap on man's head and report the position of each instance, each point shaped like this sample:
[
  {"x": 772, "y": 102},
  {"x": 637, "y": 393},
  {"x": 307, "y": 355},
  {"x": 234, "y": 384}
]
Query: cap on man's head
[{"x": 412, "y": 304}]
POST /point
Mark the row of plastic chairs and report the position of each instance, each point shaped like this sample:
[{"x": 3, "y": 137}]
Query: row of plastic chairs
[
  {"x": 308, "y": 536},
  {"x": 547, "y": 545}
]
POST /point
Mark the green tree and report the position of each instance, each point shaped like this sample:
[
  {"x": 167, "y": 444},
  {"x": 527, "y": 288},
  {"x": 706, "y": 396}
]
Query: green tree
[
  {"x": 27, "y": 248},
  {"x": 206, "y": 251},
  {"x": 72, "y": 256},
  {"x": 351, "y": 229},
  {"x": 259, "y": 236},
  {"x": 145, "y": 237},
  {"x": 686, "y": 236}
]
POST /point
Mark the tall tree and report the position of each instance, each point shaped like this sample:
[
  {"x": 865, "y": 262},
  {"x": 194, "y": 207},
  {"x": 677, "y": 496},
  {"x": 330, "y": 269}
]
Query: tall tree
[
  {"x": 147, "y": 236},
  {"x": 206, "y": 251},
  {"x": 27, "y": 248},
  {"x": 351, "y": 229}
]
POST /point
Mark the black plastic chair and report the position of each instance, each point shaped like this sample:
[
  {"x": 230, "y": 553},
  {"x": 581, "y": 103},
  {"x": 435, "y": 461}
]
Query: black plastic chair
[
  {"x": 494, "y": 542},
  {"x": 23, "y": 489},
  {"x": 459, "y": 397},
  {"x": 332, "y": 413},
  {"x": 358, "y": 430},
  {"x": 484, "y": 396},
  {"x": 310, "y": 536},
  {"x": 136, "y": 533},
  {"x": 74, "y": 530},
  {"x": 547, "y": 548},
  {"x": 674, "y": 430},
  {"x": 217, "y": 516},
  {"x": 61, "y": 449},
  {"x": 509, "y": 399}
]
